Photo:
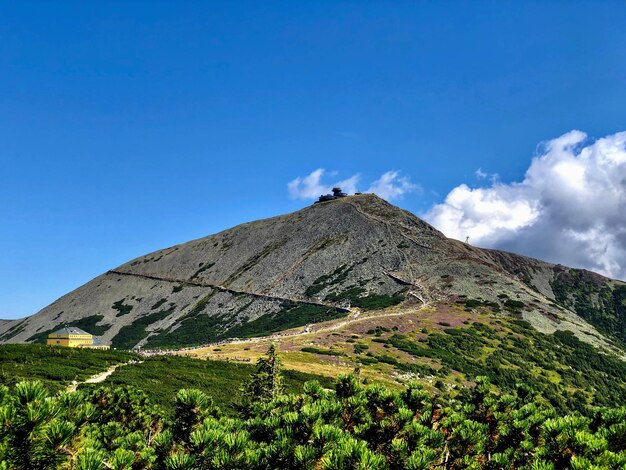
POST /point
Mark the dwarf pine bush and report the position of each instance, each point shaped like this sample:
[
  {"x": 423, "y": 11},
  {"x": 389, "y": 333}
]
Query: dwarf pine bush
[{"x": 348, "y": 427}]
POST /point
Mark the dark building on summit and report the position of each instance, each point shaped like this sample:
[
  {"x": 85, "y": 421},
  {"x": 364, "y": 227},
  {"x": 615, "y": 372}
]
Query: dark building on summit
[{"x": 337, "y": 193}]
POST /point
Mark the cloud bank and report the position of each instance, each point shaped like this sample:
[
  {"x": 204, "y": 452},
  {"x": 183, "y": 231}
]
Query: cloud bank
[
  {"x": 391, "y": 185},
  {"x": 569, "y": 208}
]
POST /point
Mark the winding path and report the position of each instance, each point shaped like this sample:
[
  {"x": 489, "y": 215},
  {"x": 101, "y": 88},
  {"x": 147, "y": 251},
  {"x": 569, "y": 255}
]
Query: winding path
[
  {"x": 101, "y": 377},
  {"x": 331, "y": 325}
]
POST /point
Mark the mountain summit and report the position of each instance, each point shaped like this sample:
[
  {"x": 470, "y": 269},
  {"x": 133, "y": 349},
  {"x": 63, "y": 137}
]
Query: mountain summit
[{"x": 331, "y": 259}]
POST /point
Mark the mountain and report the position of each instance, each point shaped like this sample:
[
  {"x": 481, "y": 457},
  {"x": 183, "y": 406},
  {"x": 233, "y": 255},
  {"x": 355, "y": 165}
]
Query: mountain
[{"x": 327, "y": 261}]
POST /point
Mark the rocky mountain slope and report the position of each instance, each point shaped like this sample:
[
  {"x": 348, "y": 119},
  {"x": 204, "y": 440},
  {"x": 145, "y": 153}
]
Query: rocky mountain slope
[{"x": 326, "y": 261}]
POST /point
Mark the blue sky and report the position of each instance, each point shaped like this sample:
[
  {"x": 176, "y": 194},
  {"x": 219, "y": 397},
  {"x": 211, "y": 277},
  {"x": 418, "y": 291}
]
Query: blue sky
[{"x": 126, "y": 127}]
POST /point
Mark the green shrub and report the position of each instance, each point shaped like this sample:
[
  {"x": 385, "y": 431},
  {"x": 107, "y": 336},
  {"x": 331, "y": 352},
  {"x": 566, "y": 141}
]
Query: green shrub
[
  {"x": 122, "y": 309},
  {"x": 130, "y": 335},
  {"x": 307, "y": 426},
  {"x": 325, "y": 352},
  {"x": 514, "y": 305}
]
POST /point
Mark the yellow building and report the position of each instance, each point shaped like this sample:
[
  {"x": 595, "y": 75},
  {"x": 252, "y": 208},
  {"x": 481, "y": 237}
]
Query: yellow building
[{"x": 73, "y": 337}]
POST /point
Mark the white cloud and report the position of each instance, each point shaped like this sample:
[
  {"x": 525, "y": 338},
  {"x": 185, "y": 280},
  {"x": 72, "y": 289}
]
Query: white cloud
[
  {"x": 391, "y": 185},
  {"x": 311, "y": 186},
  {"x": 569, "y": 208},
  {"x": 481, "y": 175},
  {"x": 307, "y": 187}
]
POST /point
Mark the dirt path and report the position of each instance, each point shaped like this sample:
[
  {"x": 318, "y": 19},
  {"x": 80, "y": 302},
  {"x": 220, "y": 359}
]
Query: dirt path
[
  {"x": 356, "y": 318},
  {"x": 101, "y": 377},
  {"x": 333, "y": 325}
]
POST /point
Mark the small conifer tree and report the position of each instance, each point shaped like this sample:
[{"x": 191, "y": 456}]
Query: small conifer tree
[{"x": 266, "y": 383}]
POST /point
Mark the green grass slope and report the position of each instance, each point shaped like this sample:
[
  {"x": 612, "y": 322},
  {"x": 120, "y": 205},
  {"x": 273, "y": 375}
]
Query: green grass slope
[
  {"x": 162, "y": 376},
  {"x": 55, "y": 366}
]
